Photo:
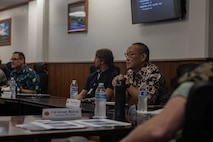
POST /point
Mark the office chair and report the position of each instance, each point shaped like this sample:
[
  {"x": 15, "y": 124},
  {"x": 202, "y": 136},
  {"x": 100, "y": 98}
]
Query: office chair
[
  {"x": 7, "y": 69},
  {"x": 42, "y": 71},
  {"x": 180, "y": 70},
  {"x": 92, "y": 69},
  {"x": 198, "y": 122}
]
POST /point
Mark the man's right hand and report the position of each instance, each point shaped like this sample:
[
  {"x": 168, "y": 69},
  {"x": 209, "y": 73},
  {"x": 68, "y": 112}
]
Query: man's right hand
[{"x": 115, "y": 79}]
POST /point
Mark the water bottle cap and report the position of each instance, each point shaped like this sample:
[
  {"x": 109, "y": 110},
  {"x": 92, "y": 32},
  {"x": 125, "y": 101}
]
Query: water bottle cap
[{"x": 73, "y": 81}]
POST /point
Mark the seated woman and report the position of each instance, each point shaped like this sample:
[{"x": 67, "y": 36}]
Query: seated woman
[{"x": 104, "y": 74}]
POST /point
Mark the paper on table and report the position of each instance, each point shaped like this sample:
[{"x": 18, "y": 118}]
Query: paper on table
[
  {"x": 101, "y": 122},
  {"x": 40, "y": 125},
  {"x": 5, "y": 89},
  {"x": 154, "y": 112},
  {"x": 31, "y": 127},
  {"x": 34, "y": 95}
]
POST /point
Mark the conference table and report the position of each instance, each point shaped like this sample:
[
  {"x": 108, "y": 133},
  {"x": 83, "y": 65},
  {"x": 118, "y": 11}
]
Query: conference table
[
  {"x": 23, "y": 110},
  {"x": 9, "y": 131},
  {"x": 29, "y": 105},
  {"x": 33, "y": 105}
]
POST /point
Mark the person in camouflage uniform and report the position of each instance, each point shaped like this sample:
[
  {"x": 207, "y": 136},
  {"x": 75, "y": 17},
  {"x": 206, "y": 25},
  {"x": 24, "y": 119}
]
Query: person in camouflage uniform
[
  {"x": 168, "y": 123},
  {"x": 3, "y": 78},
  {"x": 204, "y": 72}
]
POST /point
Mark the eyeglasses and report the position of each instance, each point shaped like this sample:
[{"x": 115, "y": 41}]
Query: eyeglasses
[
  {"x": 14, "y": 59},
  {"x": 130, "y": 54}
]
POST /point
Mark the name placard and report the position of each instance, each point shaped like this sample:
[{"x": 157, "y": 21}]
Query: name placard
[
  {"x": 6, "y": 95},
  {"x": 73, "y": 103},
  {"x": 61, "y": 113}
]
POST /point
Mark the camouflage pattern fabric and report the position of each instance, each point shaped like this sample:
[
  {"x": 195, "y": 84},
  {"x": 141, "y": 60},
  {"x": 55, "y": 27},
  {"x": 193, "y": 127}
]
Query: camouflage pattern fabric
[
  {"x": 3, "y": 78},
  {"x": 204, "y": 72}
]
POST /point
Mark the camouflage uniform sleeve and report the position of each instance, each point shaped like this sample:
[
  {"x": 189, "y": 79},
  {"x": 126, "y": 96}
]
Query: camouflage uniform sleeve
[
  {"x": 203, "y": 73},
  {"x": 183, "y": 89},
  {"x": 3, "y": 78}
]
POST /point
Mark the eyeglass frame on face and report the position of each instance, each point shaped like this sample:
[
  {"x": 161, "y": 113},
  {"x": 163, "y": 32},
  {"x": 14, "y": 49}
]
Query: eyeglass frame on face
[
  {"x": 14, "y": 59},
  {"x": 131, "y": 54}
]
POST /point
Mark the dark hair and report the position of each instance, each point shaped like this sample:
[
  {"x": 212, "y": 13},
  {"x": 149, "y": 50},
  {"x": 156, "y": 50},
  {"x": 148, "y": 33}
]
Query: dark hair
[
  {"x": 20, "y": 55},
  {"x": 143, "y": 48},
  {"x": 107, "y": 55}
]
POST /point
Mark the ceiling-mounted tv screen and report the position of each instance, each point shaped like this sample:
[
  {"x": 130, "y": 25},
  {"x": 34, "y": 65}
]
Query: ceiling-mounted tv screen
[{"x": 146, "y": 11}]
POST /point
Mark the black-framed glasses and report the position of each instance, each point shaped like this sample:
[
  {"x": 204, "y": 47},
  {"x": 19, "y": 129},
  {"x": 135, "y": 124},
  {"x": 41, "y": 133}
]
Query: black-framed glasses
[
  {"x": 14, "y": 59},
  {"x": 131, "y": 54}
]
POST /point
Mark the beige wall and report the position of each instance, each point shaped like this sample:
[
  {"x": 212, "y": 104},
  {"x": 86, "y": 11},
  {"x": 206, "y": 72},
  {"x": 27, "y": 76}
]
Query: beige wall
[{"x": 40, "y": 31}]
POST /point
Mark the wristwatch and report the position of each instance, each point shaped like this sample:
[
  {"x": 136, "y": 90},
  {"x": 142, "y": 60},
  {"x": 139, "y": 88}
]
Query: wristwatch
[{"x": 18, "y": 90}]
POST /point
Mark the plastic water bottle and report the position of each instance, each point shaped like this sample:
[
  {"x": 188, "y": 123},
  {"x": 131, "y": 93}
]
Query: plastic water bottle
[
  {"x": 100, "y": 101},
  {"x": 73, "y": 89},
  {"x": 142, "y": 98},
  {"x": 13, "y": 86}
]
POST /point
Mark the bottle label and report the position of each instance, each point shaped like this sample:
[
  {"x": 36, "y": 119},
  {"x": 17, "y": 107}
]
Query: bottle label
[
  {"x": 142, "y": 93},
  {"x": 100, "y": 96},
  {"x": 74, "y": 89}
]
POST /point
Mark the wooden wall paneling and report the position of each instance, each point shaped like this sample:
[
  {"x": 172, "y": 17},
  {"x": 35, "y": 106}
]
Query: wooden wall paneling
[
  {"x": 61, "y": 74},
  {"x": 54, "y": 87},
  {"x": 122, "y": 66},
  {"x": 168, "y": 70}
]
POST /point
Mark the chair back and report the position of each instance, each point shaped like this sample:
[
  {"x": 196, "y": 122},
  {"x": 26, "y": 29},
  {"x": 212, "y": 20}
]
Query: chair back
[
  {"x": 7, "y": 69},
  {"x": 41, "y": 70},
  {"x": 198, "y": 122},
  {"x": 180, "y": 70}
]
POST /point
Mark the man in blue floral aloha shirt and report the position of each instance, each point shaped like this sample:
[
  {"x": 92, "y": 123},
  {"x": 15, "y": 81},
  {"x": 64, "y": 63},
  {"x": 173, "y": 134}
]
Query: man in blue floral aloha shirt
[{"x": 27, "y": 80}]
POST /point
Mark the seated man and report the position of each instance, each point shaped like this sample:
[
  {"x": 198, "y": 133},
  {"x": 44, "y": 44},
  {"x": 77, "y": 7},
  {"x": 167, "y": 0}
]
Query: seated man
[
  {"x": 142, "y": 73},
  {"x": 170, "y": 120},
  {"x": 27, "y": 80},
  {"x": 104, "y": 74}
]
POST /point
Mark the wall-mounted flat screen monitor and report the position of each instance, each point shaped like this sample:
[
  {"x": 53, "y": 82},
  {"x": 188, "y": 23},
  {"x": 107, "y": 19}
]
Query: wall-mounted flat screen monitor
[{"x": 147, "y": 11}]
